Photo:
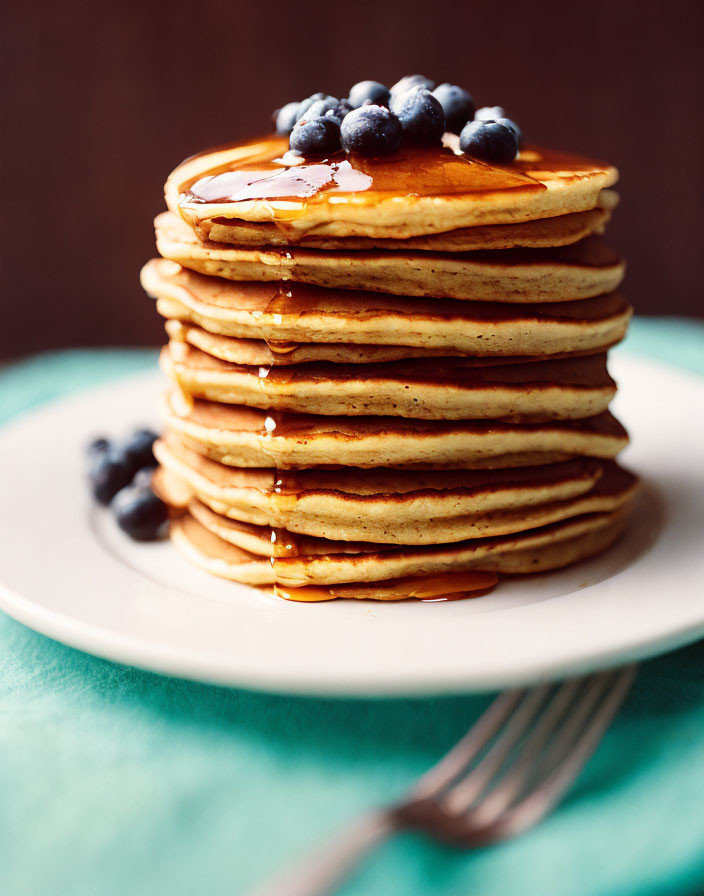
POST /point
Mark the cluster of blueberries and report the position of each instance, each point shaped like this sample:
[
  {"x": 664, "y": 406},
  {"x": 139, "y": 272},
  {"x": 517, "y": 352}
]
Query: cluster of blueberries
[
  {"x": 120, "y": 474},
  {"x": 375, "y": 120}
]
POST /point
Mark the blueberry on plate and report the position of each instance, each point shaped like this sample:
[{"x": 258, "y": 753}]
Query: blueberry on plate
[
  {"x": 514, "y": 127},
  {"x": 139, "y": 513},
  {"x": 489, "y": 141},
  {"x": 369, "y": 92},
  {"x": 138, "y": 448},
  {"x": 457, "y": 104},
  {"x": 97, "y": 446},
  {"x": 316, "y": 136},
  {"x": 371, "y": 131},
  {"x": 408, "y": 82},
  {"x": 286, "y": 117},
  {"x": 421, "y": 116},
  {"x": 110, "y": 471},
  {"x": 489, "y": 113}
]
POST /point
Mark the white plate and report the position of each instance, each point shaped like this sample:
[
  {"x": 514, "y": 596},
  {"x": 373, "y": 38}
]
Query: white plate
[{"x": 67, "y": 571}]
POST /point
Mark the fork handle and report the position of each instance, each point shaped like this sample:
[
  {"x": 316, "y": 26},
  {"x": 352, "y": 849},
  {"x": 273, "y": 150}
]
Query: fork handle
[{"x": 319, "y": 872}]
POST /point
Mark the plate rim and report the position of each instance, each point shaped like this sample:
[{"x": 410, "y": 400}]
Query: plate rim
[{"x": 117, "y": 647}]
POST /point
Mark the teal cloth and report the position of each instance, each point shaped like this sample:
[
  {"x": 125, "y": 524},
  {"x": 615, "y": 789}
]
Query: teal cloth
[{"x": 118, "y": 782}]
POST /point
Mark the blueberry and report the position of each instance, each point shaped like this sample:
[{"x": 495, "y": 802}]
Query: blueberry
[
  {"x": 305, "y": 104},
  {"x": 286, "y": 117},
  {"x": 338, "y": 113},
  {"x": 457, "y": 104},
  {"x": 371, "y": 130},
  {"x": 514, "y": 127},
  {"x": 138, "y": 448},
  {"x": 139, "y": 513},
  {"x": 489, "y": 113},
  {"x": 342, "y": 108},
  {"x": 319, "y": 108},
  {"x": 316, "y": 136},
  {"x": 489, "y": 141},
  {"x": 110, "y": 471},
  {"x": 369, "y": 91},
  {"x": 143, "y": 477},
  {"x": 97, "y": 446},
  {"x": 421, "y": 116},
  {"x": 408, "y": 82}
]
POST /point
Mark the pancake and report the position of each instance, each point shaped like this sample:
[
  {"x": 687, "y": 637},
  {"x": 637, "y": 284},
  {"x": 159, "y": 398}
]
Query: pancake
[
  {"x": 611, "y": 492},
  {"x": 431, "y": 389},
  {"x": 386, "y": 506},
  {"x": 584, "y": 269},
  {"x": 273, "y": 354},
  {"x": 259, "y": 352},
  {"x": 240, "y": 436},
  {"x": 414, "y": 192},
  {"x": 559, "y": 231},
  {"x": 302, "y": 313},
  {"x": 537, "y": 550}
]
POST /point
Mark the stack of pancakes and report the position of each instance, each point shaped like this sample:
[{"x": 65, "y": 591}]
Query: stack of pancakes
[{"x": 388, "y": 376}]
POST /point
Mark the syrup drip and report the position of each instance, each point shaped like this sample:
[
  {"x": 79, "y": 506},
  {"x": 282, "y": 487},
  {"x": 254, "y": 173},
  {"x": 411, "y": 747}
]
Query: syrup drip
[
  {"x": 309, "y": 594},
  {"x": 278, "y": 347},
  {"x": 441, "y": 587},
  {"x": 288, "y": 483},
  {"x": 287, "y": 489},
  {"x": 284, "y": 544}
]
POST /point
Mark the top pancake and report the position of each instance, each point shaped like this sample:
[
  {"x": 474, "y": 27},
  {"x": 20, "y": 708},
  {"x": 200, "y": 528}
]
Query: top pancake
[{"x": 414, "y": 192}]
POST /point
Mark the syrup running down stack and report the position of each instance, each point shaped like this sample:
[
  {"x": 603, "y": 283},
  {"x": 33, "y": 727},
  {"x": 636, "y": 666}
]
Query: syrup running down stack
[{"x": 388, "y": 374}]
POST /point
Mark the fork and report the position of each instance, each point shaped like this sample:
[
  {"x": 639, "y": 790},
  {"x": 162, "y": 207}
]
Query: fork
[{"x": 502, "y": 777}]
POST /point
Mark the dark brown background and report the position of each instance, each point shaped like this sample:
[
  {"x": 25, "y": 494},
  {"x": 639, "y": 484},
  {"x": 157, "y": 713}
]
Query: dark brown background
[{"x": 101, "y": 100}]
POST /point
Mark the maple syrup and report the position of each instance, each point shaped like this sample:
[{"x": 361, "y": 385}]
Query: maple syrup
[
  {"x": 439, "y": 587},
  {"x": 270, "y": 172}
]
